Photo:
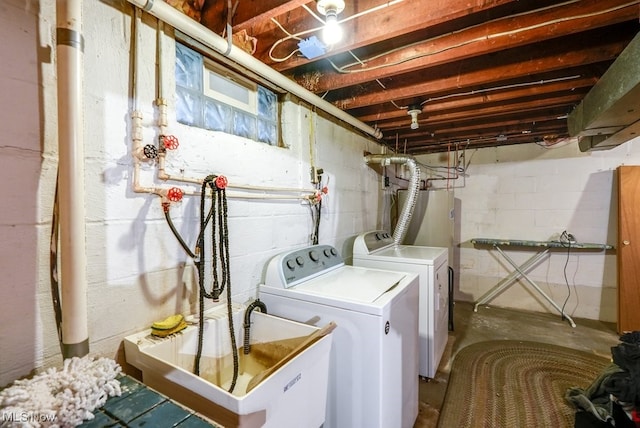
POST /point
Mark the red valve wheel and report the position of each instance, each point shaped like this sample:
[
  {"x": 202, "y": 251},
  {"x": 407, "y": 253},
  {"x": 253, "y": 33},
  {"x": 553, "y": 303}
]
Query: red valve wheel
[
  {"x": 221, "y": 182},
  {"x": 170, "y": 142},
  {"x": 175, "y": 194}
]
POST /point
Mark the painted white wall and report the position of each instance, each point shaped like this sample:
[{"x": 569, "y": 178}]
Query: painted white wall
[
  {"x": 137, "y": 271},
  {"x": 530, "y": 192}
]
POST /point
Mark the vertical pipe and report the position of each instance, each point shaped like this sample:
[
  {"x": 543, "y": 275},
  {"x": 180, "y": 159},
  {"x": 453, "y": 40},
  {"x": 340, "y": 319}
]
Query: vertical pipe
[{"x": 69, "y": 62}]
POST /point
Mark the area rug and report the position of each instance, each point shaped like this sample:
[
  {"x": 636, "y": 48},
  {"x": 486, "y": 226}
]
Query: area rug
[{"x": 509, "y": 384}]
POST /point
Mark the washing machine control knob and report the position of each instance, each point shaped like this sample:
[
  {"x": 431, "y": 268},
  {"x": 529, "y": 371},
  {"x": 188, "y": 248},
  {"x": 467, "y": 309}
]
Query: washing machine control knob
[
  {"x": 300, "y": 261},
  {"x": 291, "y": 265},
  {"x": 327, "y": 253},
  {"x": 313, "y": 255}
]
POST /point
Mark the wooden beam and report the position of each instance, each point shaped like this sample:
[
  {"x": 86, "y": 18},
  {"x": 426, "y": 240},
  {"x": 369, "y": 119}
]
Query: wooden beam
[
  {"x": 544, "y": 62},
  {"x": 252, "y": 12},
  {"x": 499, "y": 35},
  {"x": 539, "y": 89},
  {"x": 394, "y": 21}
]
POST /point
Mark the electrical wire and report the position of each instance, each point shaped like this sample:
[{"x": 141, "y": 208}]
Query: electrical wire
[
  {"x": 501, "y": 87},
  {"x": 344, "y": 69},
  {"x": 492, "y": 89},
  {"x": 313, "y": 30},
  {"x": 284, "y": 39},
  {"x": 566, "y": 240},
  {"x": 53, "y": 267}
]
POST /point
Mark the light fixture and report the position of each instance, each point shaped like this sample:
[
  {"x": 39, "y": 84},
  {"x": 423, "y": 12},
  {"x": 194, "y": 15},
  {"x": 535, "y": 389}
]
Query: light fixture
[
  {"x": 414, "y": 111},
  {"x": 332, "y": 33}
]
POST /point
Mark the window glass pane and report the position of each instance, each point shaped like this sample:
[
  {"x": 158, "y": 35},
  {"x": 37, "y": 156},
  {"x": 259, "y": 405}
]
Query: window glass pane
[
  {"x": 217, "y": 117},
  {"x": 244, "y": 125},
  {"x": 267, "y": 103},
  {"x": 267, "y": 132},
  {"x": 229, "y": 88},
  {"x": 188, "y": 68},
  {"x": 188, "y": 107},
  {"x": 213, "y": 100}
]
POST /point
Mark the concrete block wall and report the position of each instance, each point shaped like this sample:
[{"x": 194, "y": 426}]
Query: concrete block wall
[
  {"x": 533, "y": 193},
  {"x": 138, "y": 273},
  {"x": 136, "y": 270}
]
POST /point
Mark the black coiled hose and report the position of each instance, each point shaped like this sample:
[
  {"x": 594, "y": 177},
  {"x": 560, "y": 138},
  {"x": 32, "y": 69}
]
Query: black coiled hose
[
  {"x": 247, "y": 322},
  {"x": 218, "y": 226}
]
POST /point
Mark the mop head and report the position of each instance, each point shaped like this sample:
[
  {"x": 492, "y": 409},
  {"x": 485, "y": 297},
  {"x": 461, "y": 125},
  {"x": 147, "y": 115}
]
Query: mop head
[
  {"x": 170, "y": 325},
  {"x": 60, "y": 398}
]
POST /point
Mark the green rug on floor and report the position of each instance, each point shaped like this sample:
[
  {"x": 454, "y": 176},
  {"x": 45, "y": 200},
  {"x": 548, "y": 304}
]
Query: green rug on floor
[{"x": 507, "y": 384}]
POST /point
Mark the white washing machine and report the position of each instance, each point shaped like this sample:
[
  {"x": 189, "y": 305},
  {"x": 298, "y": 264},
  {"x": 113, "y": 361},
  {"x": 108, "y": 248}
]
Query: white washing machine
[
  {"x": 373, "y": 374},
  {"x": 377, "y": 249}
]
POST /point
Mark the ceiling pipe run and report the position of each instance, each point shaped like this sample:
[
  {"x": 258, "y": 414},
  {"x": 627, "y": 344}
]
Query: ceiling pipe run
[
  {"x": 202, "y": 34},
  {"x": 73, "y": 274},
  {"x": 414, "y": 186}
]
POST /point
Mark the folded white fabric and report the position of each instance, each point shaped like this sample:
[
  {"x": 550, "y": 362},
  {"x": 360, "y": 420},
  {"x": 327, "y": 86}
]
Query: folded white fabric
[{"x": 60, "y": 398}]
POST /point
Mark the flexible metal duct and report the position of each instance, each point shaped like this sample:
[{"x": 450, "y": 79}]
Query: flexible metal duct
[
  {"x": 414, "y": 186},
  {"x": 182, "y": 22}
]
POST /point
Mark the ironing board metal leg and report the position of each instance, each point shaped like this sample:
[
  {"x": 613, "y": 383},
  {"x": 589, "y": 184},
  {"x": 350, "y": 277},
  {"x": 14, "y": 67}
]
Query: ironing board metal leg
[
  {"x": 508, "y": 280},
  {"x": 534, "y": 285}
]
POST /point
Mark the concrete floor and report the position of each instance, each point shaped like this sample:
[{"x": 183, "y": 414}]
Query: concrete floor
[{"x": 492, "y": 323}]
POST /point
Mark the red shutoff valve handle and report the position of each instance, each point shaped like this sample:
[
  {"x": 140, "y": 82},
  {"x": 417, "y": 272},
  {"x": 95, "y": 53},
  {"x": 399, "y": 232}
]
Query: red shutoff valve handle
[
  {"x": 170, "y": 142},
  {"x": 221, "y": 182},
  {"x": 175, "y": 194}
]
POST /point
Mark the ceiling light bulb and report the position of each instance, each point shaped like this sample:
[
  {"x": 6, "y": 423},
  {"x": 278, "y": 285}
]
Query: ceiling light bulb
[
  {"x": 332, "y": 33},
  {"x": 324, "y": 5}
]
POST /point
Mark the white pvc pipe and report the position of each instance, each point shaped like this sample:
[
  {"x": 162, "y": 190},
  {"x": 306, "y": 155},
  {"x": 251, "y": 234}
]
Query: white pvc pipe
[
  {"x": 137, "y": 133},
  {"x": 69, "y": 63},
  {"x": 164, "y": 176},
  {"x": 182, "y": 22}
]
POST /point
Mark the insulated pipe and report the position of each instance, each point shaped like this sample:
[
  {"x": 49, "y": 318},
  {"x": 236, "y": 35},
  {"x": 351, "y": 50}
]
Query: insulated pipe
[
  {"x": 182, "y": 22},
  {"x": 414, "y": 186},
  {"x": 69, "y": 63}
]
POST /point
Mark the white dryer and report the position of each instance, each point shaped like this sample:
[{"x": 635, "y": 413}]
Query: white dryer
[
  {"x": 373, "y": 374},
  {"x": 377, "y": 249}
]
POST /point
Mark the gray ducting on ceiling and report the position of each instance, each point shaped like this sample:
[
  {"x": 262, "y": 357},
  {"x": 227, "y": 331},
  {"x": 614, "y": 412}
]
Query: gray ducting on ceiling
[{"x": 609, "y": 114}]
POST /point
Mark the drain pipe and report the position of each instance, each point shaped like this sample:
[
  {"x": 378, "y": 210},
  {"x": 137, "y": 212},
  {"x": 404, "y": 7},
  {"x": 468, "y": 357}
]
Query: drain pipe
[
  {"x": 69, "y": 63},
  {"x": 199, "y": 32},
  {"x": 414, "y": 186},
  {"x": 247, "y": 322}
]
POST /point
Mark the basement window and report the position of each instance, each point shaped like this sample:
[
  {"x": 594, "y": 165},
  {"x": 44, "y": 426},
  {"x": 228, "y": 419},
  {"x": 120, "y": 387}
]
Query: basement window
[{"x": 211, "y": 97}]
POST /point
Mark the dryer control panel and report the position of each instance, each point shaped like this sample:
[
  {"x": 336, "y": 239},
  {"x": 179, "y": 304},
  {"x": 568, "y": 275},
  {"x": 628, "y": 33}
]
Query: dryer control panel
[
  {"x": 371, "y": 241},
  {"x": 288, "y": 269}
]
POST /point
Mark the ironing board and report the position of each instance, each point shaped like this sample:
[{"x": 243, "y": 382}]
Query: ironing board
[{"x": 544, "y": 247}]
